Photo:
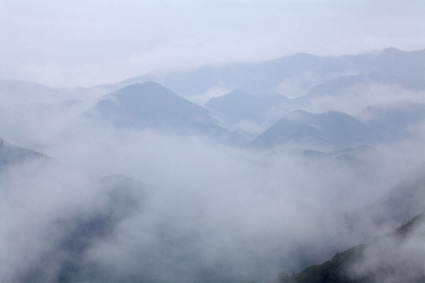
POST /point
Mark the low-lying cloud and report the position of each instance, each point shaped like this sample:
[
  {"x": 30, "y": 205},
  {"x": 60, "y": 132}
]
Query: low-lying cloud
[
  {"x": 139, "y": 204},
  {"x": 205, "y": 211}
]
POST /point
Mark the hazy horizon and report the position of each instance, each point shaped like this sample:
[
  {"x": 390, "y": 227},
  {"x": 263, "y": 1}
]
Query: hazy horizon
[{"x": 63, "y": 44}]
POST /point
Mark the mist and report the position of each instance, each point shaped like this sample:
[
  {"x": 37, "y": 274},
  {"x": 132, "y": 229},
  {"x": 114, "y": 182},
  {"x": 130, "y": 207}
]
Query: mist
[
  {"x": 92, "y": 42},
  {"x": 124, "y": 204},
  {"x": 222, "y": 141}
]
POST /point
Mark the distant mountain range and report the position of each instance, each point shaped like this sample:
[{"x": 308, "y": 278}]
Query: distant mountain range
[
  {"x": 259, "y": 106},
  {"x": 391, "y": 66},
  {"x": 258, "y": 109},
  {"x": 387, "y": 122},
  {"x": 314, "y": 75},
  {"x": 261, "y": 93}
]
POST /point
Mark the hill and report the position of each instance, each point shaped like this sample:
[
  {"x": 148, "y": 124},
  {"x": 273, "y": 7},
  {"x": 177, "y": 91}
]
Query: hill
[
  {"x": 150, "y": 105},
  {"x": 395, "y": 257}
]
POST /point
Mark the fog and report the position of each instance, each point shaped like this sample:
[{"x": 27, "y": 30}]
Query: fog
[
  {"x": 181, "y": 198},
  {"x": 396, "y": 257},
  {"x": 357, "y": 98},
  {"x": 123, "y": 204}
]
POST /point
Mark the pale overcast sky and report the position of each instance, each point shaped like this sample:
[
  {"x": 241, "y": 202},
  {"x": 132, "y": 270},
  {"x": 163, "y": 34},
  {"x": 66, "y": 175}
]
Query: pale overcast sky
[{"x": 88, "y": 42}]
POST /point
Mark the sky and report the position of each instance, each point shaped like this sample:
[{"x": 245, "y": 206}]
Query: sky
[{"x": 84, "y": 43}]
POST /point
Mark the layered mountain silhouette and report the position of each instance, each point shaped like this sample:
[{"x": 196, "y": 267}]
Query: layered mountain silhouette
[
  {"x": 259, "y": 89},
  {"x": 150, "y": 105},
  {"x": 257, "y": 97},
  {"x": 393, "y": 66}
]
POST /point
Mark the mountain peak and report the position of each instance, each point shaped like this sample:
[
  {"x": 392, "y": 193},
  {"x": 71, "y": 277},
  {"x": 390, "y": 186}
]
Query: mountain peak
[
  {"x": 408, "y": 227},
  {"x": 333, "y": 129},
  {"x": 391, "y": 50},
  {"x": 146, "y": 86},
  {"x": 150, "y": 105},
  {"x": 144, "y": 93}
]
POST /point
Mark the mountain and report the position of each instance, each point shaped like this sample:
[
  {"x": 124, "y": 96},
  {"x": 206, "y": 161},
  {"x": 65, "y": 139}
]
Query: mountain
[
  {"x": 394, "y": 121},
  {"x": 80, "y": 231},
  {"x": 348, "y": 155},
  {"x": 389, "y": 66},
  {"x": 150, "y": 105},
  {"x": 19, "y": 92},
  {"x": 334, "y": 129},
  {"x": 395, "y": 257},
  {"x": 405, "y": 200},
  {"x": 386, "y": 122},
  {"x": 10, "y": 154},
  {"x": 259, "y": 77},
  {"x": 408, "y": 66},
  {"x": 245, "y": 112},
  {"x": 342, "y": 85}
]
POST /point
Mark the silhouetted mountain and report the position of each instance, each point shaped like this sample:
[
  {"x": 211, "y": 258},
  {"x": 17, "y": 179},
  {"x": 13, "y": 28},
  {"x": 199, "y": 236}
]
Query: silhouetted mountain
[
  {"x": 10, "y": 154},
  {"x": 389, "y": 258},
  {"x": 150, "y": 105},
  {"x": 334, "y": 129}
]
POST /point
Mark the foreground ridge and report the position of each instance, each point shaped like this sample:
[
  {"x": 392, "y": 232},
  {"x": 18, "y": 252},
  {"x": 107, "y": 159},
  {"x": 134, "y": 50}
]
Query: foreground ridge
[{"x": 389, "y": 258}]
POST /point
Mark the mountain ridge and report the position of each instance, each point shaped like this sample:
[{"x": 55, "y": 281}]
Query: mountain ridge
[
  {"x": 351, "y": 266},
  {"x": 150, "y": 105},
  {"x": 331, "y": 128}
]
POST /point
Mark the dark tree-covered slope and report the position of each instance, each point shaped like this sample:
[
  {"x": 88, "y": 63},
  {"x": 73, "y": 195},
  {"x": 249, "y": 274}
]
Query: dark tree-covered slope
[{"x": 395, "y": 257}]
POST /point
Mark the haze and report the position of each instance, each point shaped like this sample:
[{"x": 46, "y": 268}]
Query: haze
[
  {"x": 211, "y": 141},
  {"x": 84, "y": 43}
]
